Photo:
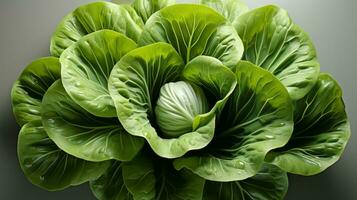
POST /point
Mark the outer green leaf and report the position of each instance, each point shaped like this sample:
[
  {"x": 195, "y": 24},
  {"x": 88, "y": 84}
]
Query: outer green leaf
[
  {"x": 321, "y": 131},
  {"x": 47, "y": 166},
  {"x": 217, "y": 80},
  {"x": 111, "y": 185},
  {"x": 29, "y": 88},
  {"x": 194, "y": 30},
  {"x": 156, "y": 179},
  {"x": 230, "y": 9},
  {"x": 271, "y": 183},
  {"x": 134, "y": 85},
  {"x": 256, "y": 119},
  {"x": 86, "y": 67},
  {"x": 83, "y": 135},
  {"x": 145, "y": 8},
  {"x": 93, "y": 17},
  {"x": 273, "y": 42}
]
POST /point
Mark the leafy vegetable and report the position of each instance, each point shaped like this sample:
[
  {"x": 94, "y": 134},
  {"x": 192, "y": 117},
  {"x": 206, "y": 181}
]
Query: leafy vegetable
[
  {"x": 153, "y": 100},
  {"x": 134, "y": 85}
]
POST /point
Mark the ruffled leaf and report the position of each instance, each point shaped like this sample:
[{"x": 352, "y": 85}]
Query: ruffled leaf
[
  {"x": 83, "y": 135},
  {"x": 257, "y": 118},
  {"x": 47, "y": 166},
  {"x": 321, "y": 131},
  {"x": 94, "y": 17},
  {"x": 29, "y": 88},
  {"x": 194, "y": 30},
  {"x": 273, "y": 42},
  {"x": 86, "y": 67}
]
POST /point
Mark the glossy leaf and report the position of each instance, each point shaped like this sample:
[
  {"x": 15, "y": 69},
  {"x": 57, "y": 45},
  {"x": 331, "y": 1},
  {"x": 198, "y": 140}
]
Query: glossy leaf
[
  {"x": 134, "y": 85},
  {"x": 28, "y": 90},
  {"x": 230, "y": 9},
  {"x": 94, "y": 17},
  {"x": 321, "y": 131},
  {"x": 145, "y": 8},
  {"x": 273, "y": 42},
  {"x": 111, "y": 186},
  {"x": 271, "y": 183},
  {"x": 47, "y": 166},
  {"x": 83, "y": 135},
  {"x": 257, "y": 118},
  {"x": 86, "y": 67},
  {"x": 194, "y": 30},
  {"x": 217, "y": 80},
  {"x": 157, "y": 179}
]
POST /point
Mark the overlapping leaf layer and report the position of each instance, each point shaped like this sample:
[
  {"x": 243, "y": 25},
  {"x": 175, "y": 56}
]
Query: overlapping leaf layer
[{"x": 165, "y": 101}]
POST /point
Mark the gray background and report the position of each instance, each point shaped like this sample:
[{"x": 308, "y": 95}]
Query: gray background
[{"x": 25, "y": 29}]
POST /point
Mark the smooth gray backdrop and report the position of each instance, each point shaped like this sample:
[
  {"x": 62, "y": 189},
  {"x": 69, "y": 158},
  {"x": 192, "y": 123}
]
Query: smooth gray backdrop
[{"x": 25, "y": 29}]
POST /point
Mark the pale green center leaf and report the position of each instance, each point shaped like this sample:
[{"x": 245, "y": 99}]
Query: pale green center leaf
[{"x": 178, "y": 105}]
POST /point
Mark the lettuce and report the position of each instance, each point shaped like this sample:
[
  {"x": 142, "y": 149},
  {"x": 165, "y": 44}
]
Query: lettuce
[{"x": 157, "y": 100}]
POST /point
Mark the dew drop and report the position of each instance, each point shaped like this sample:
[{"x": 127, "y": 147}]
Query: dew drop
[
  {"x": 42, "y": 178},
  {"x": 77, "y": 84},
  {"x": 28, "y": 165},
  {"x": 209, "y": 172},
  {"x": 240, "y": 165},
  {"x": 269, "y": 137}
]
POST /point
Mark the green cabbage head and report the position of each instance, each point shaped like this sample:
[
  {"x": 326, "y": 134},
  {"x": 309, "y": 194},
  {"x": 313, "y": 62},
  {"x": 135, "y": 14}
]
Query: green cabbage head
[{"x": 165, "y": 101}]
